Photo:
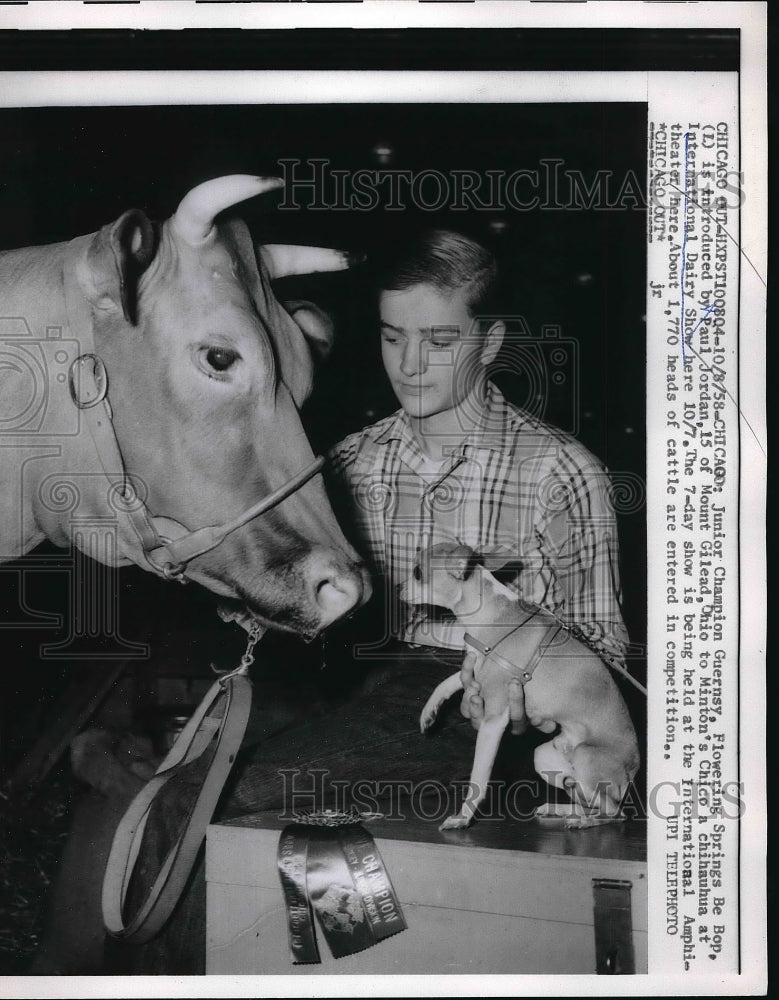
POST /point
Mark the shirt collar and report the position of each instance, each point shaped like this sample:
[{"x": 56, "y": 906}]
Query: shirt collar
[
  {"x": 497, "y": 420},
  {"x": 396, "y": 428}
]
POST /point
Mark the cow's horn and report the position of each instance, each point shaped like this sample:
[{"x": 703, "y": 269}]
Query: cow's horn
[
  {"x": 194, "y": 218},
  {"x": 283, "y": 259}
]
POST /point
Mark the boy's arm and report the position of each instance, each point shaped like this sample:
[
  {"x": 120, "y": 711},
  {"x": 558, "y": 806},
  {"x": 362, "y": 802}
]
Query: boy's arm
[
  {"x": 337, "y": 474},
  {"x": 582, "y": 546},
  {"x": 341, "y": 457}
]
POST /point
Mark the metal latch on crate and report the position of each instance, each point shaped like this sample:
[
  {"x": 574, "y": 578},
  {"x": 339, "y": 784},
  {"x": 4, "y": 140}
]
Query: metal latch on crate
[{"x": 613, "y": 921}]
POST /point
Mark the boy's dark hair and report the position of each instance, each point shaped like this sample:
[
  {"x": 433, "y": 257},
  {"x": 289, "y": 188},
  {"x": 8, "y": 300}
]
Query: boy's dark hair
[{"x": 448, "y": 261}]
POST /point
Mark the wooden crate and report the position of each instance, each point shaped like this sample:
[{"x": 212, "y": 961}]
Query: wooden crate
[{"x": 502, "y": 897}]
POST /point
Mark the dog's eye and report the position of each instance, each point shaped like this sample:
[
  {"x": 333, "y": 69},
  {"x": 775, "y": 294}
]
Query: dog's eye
[{"x": 417, "y": 574}]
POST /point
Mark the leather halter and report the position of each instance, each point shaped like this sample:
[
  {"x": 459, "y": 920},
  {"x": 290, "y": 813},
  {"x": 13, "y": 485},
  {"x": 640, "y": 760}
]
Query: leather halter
[
  {"x": 522, "y": 672},
  {"x": 161, "y": 545}
]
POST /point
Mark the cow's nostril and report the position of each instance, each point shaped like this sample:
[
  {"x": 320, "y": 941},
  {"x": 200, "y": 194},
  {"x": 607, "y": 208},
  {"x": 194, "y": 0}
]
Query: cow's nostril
[{"x": 337, "y": 596}]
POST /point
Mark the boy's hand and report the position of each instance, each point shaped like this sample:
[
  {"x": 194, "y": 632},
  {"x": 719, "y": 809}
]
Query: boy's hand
[{"x": 472, "y": 704}]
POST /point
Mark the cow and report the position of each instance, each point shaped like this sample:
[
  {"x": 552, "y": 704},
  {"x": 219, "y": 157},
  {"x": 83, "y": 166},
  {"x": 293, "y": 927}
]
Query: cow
[{"x": 149, "y": 386}]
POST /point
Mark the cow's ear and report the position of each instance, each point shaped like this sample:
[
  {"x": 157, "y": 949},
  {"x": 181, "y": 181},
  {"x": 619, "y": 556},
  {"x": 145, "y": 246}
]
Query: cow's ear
[
  {"x": 116, "y": 259},
  {"x": 316, "y": 325}
]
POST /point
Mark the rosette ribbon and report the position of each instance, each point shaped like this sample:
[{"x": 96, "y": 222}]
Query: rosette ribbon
[{"x": 330, "y": 864}]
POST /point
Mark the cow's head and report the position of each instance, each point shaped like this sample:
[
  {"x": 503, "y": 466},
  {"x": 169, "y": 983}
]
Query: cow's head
[{"x": 206, "y": 372}]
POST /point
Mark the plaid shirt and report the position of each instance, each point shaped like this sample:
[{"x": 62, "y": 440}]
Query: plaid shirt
[{"x": 513, "y": 485}]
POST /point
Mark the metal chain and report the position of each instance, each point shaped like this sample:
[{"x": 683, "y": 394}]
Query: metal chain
[{"x": 255, "y": 631}]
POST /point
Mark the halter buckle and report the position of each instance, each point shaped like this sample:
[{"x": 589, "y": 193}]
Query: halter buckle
[
  {"x": 87, "y": 381},
  {"x": 174, "y": 572}
]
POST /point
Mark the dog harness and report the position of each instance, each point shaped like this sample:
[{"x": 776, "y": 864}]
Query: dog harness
[{"x": 522, "y": 672}]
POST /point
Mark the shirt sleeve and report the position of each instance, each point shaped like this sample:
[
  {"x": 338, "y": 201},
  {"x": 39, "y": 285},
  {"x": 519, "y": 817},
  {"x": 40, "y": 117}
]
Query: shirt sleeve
[
  {"x": 342, "y": 456},
  {"x": 577, "y": 535},
  {"x": 340, "y": 461}
]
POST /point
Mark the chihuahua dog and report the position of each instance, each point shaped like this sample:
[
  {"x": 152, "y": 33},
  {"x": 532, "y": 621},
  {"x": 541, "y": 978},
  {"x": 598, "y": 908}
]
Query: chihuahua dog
[{"x": 567, "y": 690}]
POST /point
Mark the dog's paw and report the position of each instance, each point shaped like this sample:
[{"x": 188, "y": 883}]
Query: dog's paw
[
  {"x": 428, "y": 717},
  {"x": 456, "y": 822}
]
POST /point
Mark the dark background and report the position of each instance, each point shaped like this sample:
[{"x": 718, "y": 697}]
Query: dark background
[{"x": 517, "y": 48}]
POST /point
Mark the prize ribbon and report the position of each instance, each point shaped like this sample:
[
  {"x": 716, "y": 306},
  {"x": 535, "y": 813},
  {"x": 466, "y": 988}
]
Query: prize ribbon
[{"x": 330, "y": 865}]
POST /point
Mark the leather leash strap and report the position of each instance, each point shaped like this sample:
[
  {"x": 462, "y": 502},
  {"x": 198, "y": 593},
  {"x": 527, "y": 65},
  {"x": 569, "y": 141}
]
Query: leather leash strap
[{"x": 221, "y": 719}]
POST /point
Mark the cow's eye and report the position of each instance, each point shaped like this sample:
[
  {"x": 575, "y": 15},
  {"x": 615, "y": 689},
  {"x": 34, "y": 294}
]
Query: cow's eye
[
  {"x": 417, "y": 573},
  {"x": 220, "y": 359}
]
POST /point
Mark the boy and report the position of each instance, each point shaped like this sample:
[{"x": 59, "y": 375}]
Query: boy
[{"x": 460, "y": 462}]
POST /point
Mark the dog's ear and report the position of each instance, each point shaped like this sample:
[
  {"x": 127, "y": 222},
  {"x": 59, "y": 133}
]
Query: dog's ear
[
  {"x": 498, "y": 558},
  {"x": 504, "y": 565}
]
